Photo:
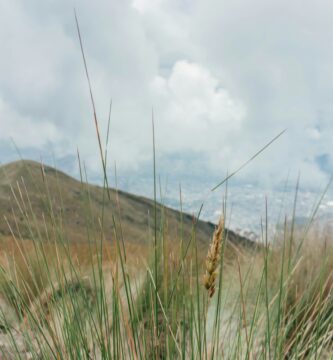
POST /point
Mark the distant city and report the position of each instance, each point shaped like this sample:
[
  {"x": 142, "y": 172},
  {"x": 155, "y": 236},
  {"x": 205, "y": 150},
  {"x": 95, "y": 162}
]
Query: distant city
[{"x": 246, "y": 204}]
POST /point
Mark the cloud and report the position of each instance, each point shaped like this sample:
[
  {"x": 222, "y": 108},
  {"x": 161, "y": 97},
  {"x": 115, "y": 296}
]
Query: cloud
[
  {"x": 43, "y": 81},
  {"x": 23, "y": 129},
  {"x": 193, "y": 111},
  {"x": 313, "y": 133},
  {"x": 223, "y": 78},
  {"x": 274, "y": 57},
  {"x": 144, "y": 6}
]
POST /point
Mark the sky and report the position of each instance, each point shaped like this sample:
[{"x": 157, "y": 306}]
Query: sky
[{"x": 222, "y": 79}]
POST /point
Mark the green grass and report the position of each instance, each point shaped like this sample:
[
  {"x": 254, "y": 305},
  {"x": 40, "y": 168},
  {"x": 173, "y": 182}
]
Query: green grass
[{"x": 98, "y": 300}]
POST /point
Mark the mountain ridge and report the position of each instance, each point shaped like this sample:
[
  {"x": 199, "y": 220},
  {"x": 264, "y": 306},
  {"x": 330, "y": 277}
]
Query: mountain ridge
[{"x": 30, "y": 190}]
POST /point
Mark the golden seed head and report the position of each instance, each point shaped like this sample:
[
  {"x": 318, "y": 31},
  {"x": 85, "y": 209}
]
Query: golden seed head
[{"x": 213, "y": 259}]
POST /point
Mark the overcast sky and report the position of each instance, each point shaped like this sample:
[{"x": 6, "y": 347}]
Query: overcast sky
[{"x": 223, "y": 77}]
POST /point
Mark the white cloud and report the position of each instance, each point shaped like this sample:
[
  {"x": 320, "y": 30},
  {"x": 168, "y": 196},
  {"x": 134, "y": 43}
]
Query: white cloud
[
  {"x": 32, "y": 58},
  {"x": 193, "y": 111},
  {"x": 313, "y": 133},
  {"x": 223, "y": 78},
  {"x": 25, "y": 131},
  {"x": 144, "y": 6}
]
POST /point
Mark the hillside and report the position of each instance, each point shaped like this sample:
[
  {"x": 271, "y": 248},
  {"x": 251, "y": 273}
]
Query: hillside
[
  {"x": 82, "y": 301},
  {"x": 34, "y": 198}
]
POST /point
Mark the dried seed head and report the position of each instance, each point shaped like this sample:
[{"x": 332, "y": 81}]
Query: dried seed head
[{"x": 213, "y": 259}]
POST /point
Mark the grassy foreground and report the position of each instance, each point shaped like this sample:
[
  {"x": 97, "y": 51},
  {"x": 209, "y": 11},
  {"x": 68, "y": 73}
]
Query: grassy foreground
[{"x": 169, "y": 299}]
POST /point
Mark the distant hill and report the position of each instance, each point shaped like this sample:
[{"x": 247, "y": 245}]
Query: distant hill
[{"x": 35, "y": 197}]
